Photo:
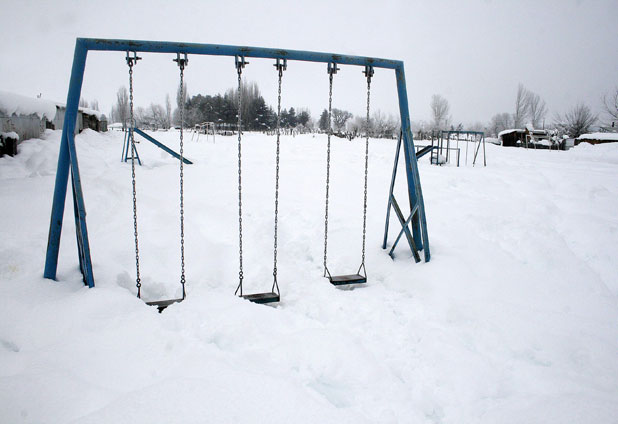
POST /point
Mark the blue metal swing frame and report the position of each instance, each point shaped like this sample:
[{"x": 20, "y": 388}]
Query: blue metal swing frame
[
  {"x": 67, "y": 156},
  {"x": 126, "y": 147}
]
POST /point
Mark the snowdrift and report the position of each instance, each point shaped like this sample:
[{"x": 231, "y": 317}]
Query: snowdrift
[{"x": 513, "y": 320}]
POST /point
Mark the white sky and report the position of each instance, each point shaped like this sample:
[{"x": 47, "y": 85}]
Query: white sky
[{"x": 472, "y": 52}]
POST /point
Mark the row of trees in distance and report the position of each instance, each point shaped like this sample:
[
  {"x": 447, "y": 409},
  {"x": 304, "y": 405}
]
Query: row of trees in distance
[
  {"x": 256, "y": 114},
  {"x": 529, "y": 109}
]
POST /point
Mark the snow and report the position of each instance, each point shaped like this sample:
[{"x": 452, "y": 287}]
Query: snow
[
  {"x": 599, "y": 136},
  {"x": 438, "y": 159},
  {"x": 92, "y": 112},
  {"x": 11, "y": 134},
  {"x": 513, "y": 320},
  {"x": 11, "y": 103},
  {"x": 541, "y": 141},
  {"x": 501, "y": 133}
]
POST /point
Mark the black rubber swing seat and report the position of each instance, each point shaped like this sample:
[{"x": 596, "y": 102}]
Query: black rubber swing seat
[
  {"x": 269, "y": 297},
  {"x": 162, "y": 304},
  {"x": 340, "y": 280}
]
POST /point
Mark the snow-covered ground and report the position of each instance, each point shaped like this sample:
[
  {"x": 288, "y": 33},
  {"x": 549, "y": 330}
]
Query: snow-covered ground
[{"x": 514, "y": 320}]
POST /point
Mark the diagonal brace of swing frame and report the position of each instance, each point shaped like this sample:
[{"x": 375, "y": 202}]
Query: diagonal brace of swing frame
[
  {"x": 404, "y": 230},
  {"x": 392, "y": 202},
  {"x": 160, "y": 145},
  {"x": 67, "y": 156}
]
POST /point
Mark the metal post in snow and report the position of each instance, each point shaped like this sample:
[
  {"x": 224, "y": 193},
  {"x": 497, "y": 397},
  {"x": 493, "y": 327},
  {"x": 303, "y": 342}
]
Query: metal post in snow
[
  {"x": 390, "y": 191},
  {"x": 419, "y": 223},
  {"x": 62, "y": 173}
]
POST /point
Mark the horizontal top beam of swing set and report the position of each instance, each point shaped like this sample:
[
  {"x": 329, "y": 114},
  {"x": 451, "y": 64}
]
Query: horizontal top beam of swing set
[{"x": 223, "y": 50}]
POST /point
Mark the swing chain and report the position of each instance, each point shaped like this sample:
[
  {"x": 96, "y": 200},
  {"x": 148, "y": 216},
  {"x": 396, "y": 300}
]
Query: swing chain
[
  {"x": 182, "y": 63},
  {"x": 240, "y": 64},
  {"x": 368, "y": 73},
  {"x": 131, "y": 61},
  {"x": 331, "y": 70},
  {"x": 280, "y": 66}
]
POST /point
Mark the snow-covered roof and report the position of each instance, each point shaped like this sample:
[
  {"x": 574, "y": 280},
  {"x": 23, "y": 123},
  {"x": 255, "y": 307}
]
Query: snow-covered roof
[
  {"x": 11, "y": 103},
  {"x": 92, "y": 112},
  {"x": 599, "y": 136},
  {"x": 11, "y": 134},
  {"x": 509, "y": 131}
]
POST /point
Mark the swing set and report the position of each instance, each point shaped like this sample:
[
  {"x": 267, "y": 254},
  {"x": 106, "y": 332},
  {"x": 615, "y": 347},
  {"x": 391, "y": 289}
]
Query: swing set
[
  {"x": 67, "y": 159},
  {"x": 127, "y": 146}
]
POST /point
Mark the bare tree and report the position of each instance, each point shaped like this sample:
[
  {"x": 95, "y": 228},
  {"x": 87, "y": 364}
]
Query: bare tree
[
  {"x": 356, "y": 126},
  {"x": 168, "y": 111},
  {"x": 421, "y": 129},
  {"x": 141, "y": 117},
  {"x": 475, "y": 126},
  {"x": 249, "y": 93},
  {"x": 94, "y": 105},
  {"x": 439, "y": 112},
  {"x": 537, "y": 109},
  {"x": 521, "y": 106},
  {"x": 122, "y": 106},
  {"x": 340, "y": 117},
  {"x": 500, "y": 122},
  {"x": 156, "y": 116},
  {"x": 610, "y": 105},
  {"x": 181, "y": 97},
  {"x": 377, "y": 123},
  {"x": 391, "y": 127},
  {"x": 576, "y": 121}
]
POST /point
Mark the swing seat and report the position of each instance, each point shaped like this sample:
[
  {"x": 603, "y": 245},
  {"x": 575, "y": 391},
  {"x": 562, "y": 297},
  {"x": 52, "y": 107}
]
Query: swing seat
[
  {"x": 340, "y": 280},
  {"x": 269, "y": 297},
  {"x": 162, "y": 304}
]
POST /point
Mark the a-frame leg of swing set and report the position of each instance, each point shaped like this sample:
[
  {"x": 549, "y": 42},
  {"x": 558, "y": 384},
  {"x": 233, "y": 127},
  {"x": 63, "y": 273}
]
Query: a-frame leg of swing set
[
  {"x": 81, "y": 249},
  {"x": 482, "y": 140},
  {"x": 126, "y": 146},
  {"x": 392, "y": 202}
]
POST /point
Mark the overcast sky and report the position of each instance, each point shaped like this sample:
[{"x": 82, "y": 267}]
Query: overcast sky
[{"x": 474, "y": 53}]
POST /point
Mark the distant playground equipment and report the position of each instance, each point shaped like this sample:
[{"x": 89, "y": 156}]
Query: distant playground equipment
[
  {"x": 441, "y": 140},
  {"x": 224, "y": 128},
  {"x": 417, "y": 237},
  {"x": 129, "y": 147},
  {"x": 205, "y": 128}
]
